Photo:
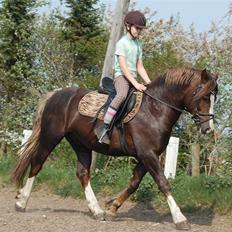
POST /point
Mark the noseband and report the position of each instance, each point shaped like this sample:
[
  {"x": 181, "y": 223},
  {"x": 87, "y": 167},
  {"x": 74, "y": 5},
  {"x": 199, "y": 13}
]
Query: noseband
[{"x": 196, "y": 115}]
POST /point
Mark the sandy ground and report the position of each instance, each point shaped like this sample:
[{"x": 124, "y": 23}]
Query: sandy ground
[{"x": 49, "y": 212}]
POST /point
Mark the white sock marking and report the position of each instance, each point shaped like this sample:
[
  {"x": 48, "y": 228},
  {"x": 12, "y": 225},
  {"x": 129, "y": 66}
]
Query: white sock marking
[
  {"x": 177, "y": 216},
  {"x": 92, "y": 201},
  {"x": 25, "y": 193}
]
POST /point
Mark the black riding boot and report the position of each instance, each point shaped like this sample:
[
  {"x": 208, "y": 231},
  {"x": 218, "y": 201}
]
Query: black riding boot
[{"x": 102, "y": 134}]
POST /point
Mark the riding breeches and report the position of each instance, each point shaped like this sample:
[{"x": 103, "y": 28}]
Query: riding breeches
[{"x": 122, "y": 86}]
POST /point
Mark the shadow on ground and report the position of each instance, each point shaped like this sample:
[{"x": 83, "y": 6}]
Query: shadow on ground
[{"x": 139, "y": 212}]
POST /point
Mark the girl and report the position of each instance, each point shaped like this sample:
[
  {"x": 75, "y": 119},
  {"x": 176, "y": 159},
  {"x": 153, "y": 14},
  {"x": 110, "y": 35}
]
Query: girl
[{"x": 128, "y": 61}]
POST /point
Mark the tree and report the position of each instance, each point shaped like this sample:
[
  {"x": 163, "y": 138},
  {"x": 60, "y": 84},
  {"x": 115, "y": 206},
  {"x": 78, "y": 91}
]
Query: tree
[
  {"x": 16, "y": 62},
  {"x": 81, "y": 28}
]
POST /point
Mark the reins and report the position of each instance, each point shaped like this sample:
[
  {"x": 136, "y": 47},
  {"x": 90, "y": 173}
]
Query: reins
[
  {"x": 165, "y": 103},
  {"x": 195, "y": 116}
]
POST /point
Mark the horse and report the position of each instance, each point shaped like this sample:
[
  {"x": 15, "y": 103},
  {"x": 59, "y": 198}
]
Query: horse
[{"x": 178, "y": 90}]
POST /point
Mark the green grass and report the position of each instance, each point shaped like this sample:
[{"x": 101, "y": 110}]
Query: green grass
[
  {"x": 191, "y": 193},
  {"x": 6, "y": 165}
]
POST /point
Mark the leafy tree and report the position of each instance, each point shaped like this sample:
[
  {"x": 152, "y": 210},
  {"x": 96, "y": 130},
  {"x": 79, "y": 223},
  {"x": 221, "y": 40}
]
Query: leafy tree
[
  {"x": 16, "y": 62},
  {"x": 81, "y": 28}
]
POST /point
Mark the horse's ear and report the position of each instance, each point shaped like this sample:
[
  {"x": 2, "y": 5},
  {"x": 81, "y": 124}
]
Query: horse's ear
[{"x": 204, "y": 76}]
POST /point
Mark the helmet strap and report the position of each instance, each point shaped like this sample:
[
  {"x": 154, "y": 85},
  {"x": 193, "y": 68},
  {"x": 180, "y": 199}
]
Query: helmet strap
[{"x": 128, "y": 29}]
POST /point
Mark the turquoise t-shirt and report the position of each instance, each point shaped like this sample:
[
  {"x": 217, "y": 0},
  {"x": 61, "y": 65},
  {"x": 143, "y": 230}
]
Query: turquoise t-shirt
[{"x": 132, "y": 50}]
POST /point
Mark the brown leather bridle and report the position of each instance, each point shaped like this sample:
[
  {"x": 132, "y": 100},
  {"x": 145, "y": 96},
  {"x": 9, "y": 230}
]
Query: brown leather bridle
[{"x": 196, "y": 116}]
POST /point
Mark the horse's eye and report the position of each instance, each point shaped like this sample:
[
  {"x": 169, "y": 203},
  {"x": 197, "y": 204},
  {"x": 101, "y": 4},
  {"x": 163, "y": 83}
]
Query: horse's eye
[{"x": 206, "y": 98}]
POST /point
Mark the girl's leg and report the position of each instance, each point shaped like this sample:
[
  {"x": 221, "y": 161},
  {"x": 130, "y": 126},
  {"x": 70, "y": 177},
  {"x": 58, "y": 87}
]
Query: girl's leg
[{"x": 122, "y": 87}]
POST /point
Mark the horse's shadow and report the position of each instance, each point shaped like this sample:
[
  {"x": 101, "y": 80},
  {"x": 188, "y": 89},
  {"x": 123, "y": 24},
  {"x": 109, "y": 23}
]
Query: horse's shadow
[{"x": 139, "y": 212}]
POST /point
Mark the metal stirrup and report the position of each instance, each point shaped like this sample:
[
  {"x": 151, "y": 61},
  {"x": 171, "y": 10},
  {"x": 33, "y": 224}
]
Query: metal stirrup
[{"x": 103, "y": 135}]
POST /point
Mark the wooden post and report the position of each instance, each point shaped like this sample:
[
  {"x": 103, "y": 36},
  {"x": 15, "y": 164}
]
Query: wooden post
[
  {"x": 195, "y": 148},
  {"x": 115, "y": 34}
]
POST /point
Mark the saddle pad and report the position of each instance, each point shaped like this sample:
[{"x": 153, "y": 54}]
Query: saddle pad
[{"x": 92, "y": 102}]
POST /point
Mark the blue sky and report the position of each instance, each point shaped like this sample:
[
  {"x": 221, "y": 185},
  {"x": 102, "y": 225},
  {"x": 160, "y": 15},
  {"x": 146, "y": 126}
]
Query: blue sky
[{"x": 199, "y": 12}]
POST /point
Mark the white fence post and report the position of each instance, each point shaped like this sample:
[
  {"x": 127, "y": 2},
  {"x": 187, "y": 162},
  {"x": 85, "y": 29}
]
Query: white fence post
[
  {"x": 26, "y": 135},
  {"x": 171, "y": 157}
]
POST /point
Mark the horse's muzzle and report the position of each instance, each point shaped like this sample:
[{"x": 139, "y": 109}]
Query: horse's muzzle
[{"x": 205, "y": 128}]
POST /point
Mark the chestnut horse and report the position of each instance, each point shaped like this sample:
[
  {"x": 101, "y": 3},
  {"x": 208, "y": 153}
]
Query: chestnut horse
[{"x": 147, "y": 134}]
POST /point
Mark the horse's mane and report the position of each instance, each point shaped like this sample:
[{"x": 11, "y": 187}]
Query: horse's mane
[{"x": 179, "y": 76}]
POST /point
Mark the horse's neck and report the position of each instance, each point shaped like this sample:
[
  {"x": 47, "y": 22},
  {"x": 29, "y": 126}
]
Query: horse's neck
[
  {"x": 172, "y": 96},
  {"x": 168, "y": 101}
]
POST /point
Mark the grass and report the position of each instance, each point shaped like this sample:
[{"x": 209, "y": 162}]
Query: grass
[{"x": 191, "y": 193}]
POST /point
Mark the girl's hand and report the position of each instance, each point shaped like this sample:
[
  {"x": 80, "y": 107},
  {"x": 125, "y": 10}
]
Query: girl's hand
[{"x": 140, "y": 87}]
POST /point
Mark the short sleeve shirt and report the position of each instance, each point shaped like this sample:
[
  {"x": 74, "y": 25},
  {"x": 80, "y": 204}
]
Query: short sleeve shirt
[{"x": 131, "y": 49}]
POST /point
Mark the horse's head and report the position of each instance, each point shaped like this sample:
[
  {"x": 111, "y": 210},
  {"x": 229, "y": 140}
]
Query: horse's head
[{"x": 202, "y": 97}]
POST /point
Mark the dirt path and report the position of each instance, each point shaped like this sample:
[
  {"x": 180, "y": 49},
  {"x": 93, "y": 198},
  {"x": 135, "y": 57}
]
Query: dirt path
[{"x": 51, "y": 213}]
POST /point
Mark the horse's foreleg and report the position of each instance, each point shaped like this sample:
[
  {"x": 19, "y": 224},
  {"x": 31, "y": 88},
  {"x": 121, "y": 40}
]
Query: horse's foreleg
[
  {"x": 83, "y": 173},
  {"x": 138, "y": 174},
  {"x": 152, "y": 164}
]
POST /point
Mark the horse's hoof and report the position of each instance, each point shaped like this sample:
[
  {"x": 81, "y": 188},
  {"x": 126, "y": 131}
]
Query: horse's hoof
[
  {"x": 183, "y": 225},
  {"x": 19, "y": 208},
  {"x": 110, "y": 216},
  {"x": 100, "y": 216}
]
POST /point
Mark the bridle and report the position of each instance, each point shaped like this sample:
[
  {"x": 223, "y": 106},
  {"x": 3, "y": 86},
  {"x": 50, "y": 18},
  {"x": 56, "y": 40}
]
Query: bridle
[{"x": 196, "y": 115}]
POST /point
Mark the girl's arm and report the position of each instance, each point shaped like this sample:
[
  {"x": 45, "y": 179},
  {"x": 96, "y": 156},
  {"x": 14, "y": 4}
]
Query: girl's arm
[
  {"x": 129, "y": 76},
  {"x": 142, "y": 72}
]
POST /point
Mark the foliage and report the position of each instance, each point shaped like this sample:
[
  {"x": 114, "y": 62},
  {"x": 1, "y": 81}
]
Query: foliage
[
  {"x": 81, "y": 29},
  {"x": 18, "y": 74}
]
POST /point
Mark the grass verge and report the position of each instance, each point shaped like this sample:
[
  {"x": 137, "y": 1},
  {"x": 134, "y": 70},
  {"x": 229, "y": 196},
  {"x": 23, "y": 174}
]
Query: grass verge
[{"x": 191, "y": 193}]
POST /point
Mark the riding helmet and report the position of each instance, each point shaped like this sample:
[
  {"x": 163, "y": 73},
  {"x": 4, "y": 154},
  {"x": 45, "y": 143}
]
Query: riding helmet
[{"x": 135, "y": 18}]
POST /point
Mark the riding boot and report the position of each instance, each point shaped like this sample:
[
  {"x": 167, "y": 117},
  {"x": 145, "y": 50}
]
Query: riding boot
[{"x": 102, "y": 133}]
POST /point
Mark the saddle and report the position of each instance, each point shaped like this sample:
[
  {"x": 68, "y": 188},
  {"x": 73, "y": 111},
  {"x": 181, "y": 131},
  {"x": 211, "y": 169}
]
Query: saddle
[{"x": 95, "y": 104}]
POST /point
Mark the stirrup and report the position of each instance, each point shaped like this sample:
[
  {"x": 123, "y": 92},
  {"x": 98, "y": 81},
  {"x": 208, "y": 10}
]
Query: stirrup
[{"x": 102, "y": 135}]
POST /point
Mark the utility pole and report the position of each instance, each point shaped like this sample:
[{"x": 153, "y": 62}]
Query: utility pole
[{"x": 115, "y": 34}]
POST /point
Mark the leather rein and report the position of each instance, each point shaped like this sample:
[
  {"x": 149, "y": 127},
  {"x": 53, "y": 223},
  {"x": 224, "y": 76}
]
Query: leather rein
[{"x": 195, "y": 116}]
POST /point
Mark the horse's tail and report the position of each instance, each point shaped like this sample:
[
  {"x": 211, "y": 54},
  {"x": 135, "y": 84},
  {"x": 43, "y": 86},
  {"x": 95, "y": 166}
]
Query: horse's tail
[{"x": 31, "y": 146}]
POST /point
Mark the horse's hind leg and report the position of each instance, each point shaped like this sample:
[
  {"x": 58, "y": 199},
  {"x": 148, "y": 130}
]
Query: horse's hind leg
[
  {"x": 45, "y": 147},
  {"x": 84, "y": 157},
  {"x": 83, "y": 173},
  {"x": 138, "y": 174}
]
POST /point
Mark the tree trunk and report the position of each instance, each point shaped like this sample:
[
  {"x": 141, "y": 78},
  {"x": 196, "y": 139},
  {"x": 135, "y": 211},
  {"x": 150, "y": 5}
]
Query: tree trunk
[
  {"x": 3, "y": 149},
  {"x": 195, "y": 148}
]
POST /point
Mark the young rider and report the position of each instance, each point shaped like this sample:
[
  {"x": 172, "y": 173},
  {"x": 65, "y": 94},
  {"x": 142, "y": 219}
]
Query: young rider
[{"x": 128, "y": 61}]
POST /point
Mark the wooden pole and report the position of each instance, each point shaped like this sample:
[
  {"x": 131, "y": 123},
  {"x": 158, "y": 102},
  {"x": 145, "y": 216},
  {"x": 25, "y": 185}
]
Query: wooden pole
[
  {"x": 115, "y": 34},
  {"x": 195, "y": 148}
]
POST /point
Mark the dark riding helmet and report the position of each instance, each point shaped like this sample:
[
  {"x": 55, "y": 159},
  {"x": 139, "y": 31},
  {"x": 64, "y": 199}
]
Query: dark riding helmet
[{"x": 135, "y": 18}]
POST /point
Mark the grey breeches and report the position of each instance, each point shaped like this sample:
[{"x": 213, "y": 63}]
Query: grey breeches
[{"x": 122, "y": 86}]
